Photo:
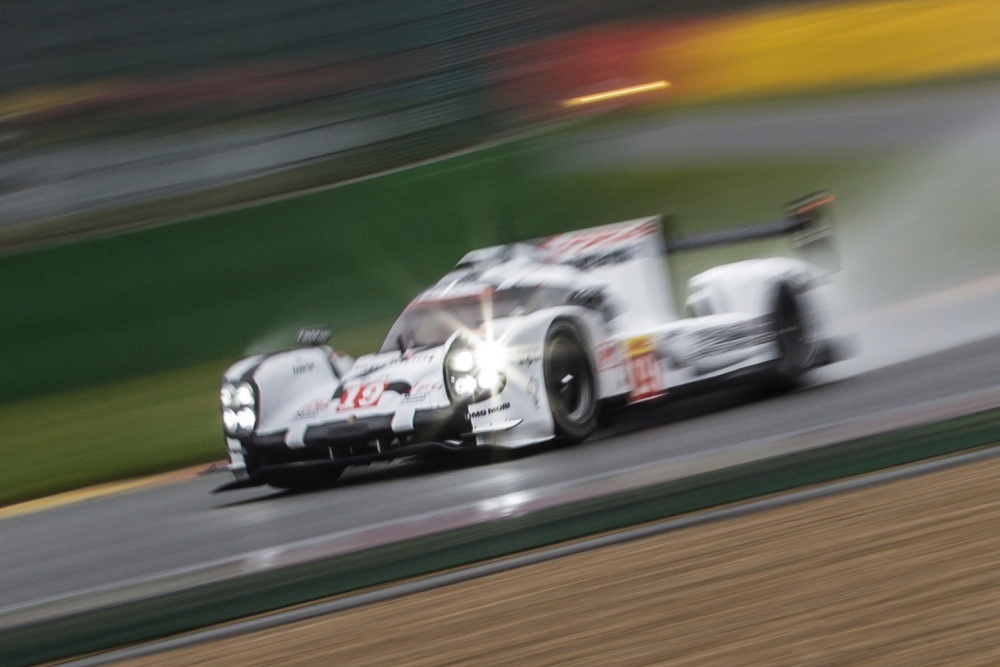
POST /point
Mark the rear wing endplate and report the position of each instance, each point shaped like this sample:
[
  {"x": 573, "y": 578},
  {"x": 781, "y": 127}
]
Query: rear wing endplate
[{"x": 806, "y": 221}]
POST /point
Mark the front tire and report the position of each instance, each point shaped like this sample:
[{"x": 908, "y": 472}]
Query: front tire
[{"x": 570, "y": 383}]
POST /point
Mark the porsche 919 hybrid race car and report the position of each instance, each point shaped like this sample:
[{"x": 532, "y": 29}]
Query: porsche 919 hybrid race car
[{"x": 529, "y": 342}]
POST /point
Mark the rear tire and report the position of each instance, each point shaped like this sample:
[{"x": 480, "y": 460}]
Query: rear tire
[
  {"x": 570, "y": 383},
  {"x": 790, "y": 335}
]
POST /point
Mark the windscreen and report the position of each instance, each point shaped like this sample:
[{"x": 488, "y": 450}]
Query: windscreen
[{"x": 430, "y": 323}]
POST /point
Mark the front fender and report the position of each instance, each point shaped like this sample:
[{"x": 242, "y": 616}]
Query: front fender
[
  {"x": 291, "y": 381},
  {"x": 524, "y": 397}
]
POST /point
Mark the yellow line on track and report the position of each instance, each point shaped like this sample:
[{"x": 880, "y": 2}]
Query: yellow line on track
[{"x": 98, "y": 491}]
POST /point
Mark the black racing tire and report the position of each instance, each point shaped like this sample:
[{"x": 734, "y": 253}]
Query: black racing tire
[
  {"x": 570, "y": 382},
  {"x": 305, "y": 479},
  {"x": 791, "y": 336}
]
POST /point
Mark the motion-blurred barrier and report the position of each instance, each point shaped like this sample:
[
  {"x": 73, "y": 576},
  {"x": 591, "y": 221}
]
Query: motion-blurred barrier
[
  {"x": 113, "y": 107},
  {"x": 832, "y": 45}
]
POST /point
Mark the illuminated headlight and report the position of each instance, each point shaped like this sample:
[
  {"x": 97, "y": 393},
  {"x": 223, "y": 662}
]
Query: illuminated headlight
[
  {"x": 488, "y": 380},
  {"x": 464, "y": 385},
  {"x": 463, "y": 361},
  {"x": 476, "y": 369},
  {"x": 490, "y": 357},
  {"x": 239, "y": 407}
]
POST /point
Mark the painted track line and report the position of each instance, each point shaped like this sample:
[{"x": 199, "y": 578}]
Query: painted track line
[{"x": 98, "y": 491}]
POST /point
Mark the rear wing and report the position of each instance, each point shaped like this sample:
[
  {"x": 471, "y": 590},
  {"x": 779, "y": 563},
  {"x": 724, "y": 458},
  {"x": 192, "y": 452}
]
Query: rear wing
[
  {"x": 629, "y": 259},
  {"x": 806, "y": 221}
]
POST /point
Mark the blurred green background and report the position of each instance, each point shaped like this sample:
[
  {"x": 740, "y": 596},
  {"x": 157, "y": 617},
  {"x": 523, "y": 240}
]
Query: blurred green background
[
  {"x": 117, "y": 322},
  {"x": 123, "y": 338}
]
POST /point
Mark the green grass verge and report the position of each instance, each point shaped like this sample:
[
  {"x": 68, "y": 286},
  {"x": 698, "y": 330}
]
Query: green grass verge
[{"x": 113, "y": 346}]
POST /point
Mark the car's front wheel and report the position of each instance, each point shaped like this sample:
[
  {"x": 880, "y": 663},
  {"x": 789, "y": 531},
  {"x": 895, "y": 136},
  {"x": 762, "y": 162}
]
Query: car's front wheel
[{"x": 570, "y": 383}]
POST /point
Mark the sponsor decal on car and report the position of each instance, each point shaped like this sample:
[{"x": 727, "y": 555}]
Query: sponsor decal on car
[
  {"x": 716, "y": 340},
  {"x": 311, "y": 410},
  {"x": 421, "y": 391},
  {"x": 595, "y": 260},
  {"x": 645, "y": 379},
  {"x": 600, "y": 238},
  {"x": 360, "y": 396},
  {"x": 300, "y": 368},
  {"x": 528, "y": 361},
  {"x": 533, "y": 389},
  {"x": 367, "y": 367},
  {"x": 485, "y": 412},
  {"x": 607, "y": 357}
]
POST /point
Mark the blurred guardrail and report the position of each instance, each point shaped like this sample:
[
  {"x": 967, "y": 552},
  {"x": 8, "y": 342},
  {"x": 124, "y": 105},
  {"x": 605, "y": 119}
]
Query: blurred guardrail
[
  {"x": 60, "y": 42},
  {"x": 108, "y": 105},
  {"x": 109, "y": 109}
]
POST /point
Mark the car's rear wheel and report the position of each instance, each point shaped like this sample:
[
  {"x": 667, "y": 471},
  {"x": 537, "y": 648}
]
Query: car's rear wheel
[
  {"x": 306, "y": 479},
  {"x": 570, "y": 383},
  {"x": 794, "y": 353}
]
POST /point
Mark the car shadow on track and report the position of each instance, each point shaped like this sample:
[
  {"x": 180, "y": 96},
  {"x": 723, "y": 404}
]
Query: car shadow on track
[
  {"x": 382, "y": 472},
  {"x": 618, "y": 423}
]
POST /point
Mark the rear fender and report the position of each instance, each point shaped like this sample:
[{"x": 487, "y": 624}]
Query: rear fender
[
  {"x": 747, "y": 287},
  {"x": 751, "y": 288}
]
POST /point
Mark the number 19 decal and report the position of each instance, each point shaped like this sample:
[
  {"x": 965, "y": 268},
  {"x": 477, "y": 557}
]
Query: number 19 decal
[
  {"x": 644, "y": 377},
  {"x": 361, "y": 396}
]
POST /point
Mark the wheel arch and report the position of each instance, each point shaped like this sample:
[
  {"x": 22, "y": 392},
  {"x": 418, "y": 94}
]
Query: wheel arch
[{"x": 747, "y": 287}]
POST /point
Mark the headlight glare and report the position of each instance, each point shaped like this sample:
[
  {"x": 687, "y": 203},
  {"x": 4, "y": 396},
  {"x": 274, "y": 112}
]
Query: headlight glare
[
  {"x": 488, "y": 379},
  {"x": 465, "y": 385},
  {"x": 475, "y": 369},
  {"x": 246, "y": 419},
  {"x": 462, "y": 361},
  {"x": 491, "y": 357},
  {"x": 244, "y": 395},
  {"x": 229, "y": 420},
  {"x": 239, "y": 407}
]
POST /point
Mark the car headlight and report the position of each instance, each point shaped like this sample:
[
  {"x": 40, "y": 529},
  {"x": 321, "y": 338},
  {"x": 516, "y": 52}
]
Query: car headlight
[
  {"x": 475, "y": 369},
  {"x": 239, "y": 407}
]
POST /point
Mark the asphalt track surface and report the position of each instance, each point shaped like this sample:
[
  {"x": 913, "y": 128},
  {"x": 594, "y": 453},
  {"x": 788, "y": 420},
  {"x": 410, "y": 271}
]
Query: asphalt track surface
[
  {"x": 102, "y": 541},
  {"x": 108, "y": 540}
]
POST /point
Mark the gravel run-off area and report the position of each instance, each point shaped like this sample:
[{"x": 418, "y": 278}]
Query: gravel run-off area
[{"x": 903, "y": 573}]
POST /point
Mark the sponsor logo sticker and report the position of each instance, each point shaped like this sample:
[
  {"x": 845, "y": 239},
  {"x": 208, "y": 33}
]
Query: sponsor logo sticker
[
  {"x": 485, "y": 412},
  {"x": 607, "y": 358},
  {"x": 310, "y": 410},
  {"x": 300, "y": 368},
  {"x": 361, "y": 396},
  {"x": 645, "y": 379}
]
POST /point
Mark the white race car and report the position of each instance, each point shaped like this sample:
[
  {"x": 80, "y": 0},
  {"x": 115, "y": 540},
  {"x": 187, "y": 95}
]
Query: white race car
[{"x": 529, "y": 342}]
